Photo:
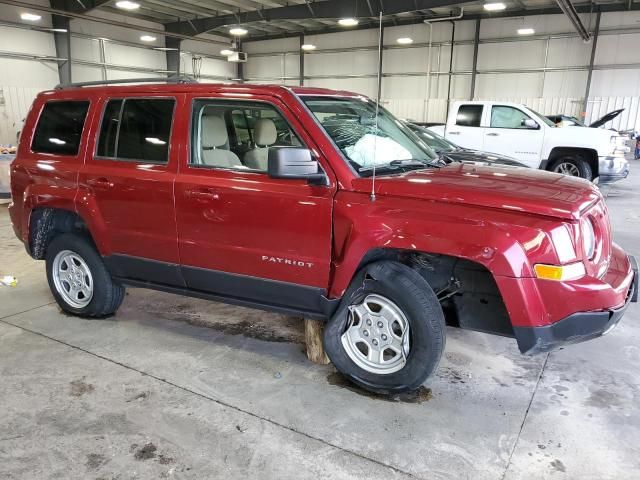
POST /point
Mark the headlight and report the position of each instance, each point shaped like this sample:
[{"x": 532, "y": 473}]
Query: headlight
[{"x": 588, "y": 238}]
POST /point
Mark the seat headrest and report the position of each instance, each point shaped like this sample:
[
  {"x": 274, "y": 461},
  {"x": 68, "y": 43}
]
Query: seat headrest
[
  {"x": 265, "y": 133},
  {"x": 213, "y": 131}
]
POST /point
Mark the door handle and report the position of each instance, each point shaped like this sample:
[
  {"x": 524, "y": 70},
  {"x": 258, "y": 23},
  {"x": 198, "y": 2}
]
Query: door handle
[
  {"x": 454, "y": 133},
  {"x": 202, "y": 194},
  {"x": 493, "y": 134},
  {"x": 100, "y": 182}
]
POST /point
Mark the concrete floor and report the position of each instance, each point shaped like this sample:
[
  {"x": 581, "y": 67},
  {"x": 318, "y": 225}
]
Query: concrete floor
[{"x": 173, "y": 387}]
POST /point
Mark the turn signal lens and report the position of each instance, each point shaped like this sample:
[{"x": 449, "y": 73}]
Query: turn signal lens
[{"x": 560, "y": 273}]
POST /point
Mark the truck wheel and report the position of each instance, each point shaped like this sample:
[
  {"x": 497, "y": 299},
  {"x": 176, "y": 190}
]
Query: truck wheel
[
  {"x": 389, "y": 332},
  {"x": 575, "y": 167},
  {"x": 78, "y": 278}
]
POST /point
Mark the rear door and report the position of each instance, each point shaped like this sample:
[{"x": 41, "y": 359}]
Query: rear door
[
  {"x": 129, "y": 179},
  {"x": 242, "y": 233},
  {"x": 465, "y": 126},
  {"x": 508, "y": 135}
]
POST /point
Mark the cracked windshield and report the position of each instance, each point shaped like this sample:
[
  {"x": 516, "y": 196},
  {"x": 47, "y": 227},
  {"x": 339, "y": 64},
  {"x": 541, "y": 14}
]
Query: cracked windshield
[{"x": 389, "y": 145}]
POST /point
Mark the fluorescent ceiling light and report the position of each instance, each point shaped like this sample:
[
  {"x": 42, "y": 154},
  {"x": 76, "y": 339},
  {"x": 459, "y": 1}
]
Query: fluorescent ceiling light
[
  {"x": 526, "y": 31},
  {"x": 127, "y": 5},
  {"x": 405, "y": 41},
  {"x": 307, "y": 47},
  {"x": 238, "y": 31},
  {"x": 57, "y": 30},
  {"x": 165, "y": 49},
  {"x": 494, "y": 7},
  {"x": 30, "y": 17},
  {"x": 148, "y": 38},
  {"x": 348, "y": 22},
  {"x": 226, "y": 52}
]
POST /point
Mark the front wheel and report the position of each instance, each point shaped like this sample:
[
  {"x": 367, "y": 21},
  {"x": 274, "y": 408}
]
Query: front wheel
[
  {"x": 575, "y": 167},
  {"x": 389, "y": 332}
]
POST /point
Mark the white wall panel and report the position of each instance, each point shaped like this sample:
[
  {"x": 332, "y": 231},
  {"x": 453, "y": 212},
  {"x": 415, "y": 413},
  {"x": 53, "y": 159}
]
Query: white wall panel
[
  {"x": 565, "y": 52},
  {"x": 273, "y": 67},
  {"x": 135, "y": 57},
  {"x": 364, "y": 86},
  {"x": 349, "y": 63},
  {"x": 508, "y": 85},
  {"x": 15, "y": 102},
  {"x": 85, "y": 49},
  {"x": 529, "y": 54},
  {"x": 354, "y": 38},
  {"x": 618, "y": 49},
  {"x": 623, "y": 83},
  {"x": 26, "y": 41},
  {"x": 565, "y": 84}
]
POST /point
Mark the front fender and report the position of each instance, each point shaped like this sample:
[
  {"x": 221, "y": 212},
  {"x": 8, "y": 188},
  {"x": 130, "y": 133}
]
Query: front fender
[{"x": 501, "y": 241}]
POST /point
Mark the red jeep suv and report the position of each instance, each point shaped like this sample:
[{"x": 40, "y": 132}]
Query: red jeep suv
[{"x": 310, "y": 202}]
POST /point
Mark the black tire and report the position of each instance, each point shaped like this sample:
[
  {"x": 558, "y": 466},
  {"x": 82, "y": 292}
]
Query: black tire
[
  {"x": 584, "y": 169},
  {"x": 107, "y": 295},
  {"x": 413, "y": 295}
]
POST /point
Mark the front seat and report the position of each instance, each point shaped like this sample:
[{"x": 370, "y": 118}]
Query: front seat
[
  {"x": 264, "y": 135},
  {"x": 215, "y": 144}
]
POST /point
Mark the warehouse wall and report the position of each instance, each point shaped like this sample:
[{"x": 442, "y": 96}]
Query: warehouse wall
[
  {"x": 547, "y": 71},
  {"x": 98, "y": 51}
]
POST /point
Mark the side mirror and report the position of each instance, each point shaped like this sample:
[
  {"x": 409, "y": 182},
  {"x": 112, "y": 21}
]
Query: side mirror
[
  {"x": 294, "y": 163},
  {"x": 531, "y": 124}
]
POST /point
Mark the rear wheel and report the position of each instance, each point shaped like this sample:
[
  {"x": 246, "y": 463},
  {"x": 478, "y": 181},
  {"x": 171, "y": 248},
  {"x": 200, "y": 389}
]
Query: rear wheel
[
  {"x": 389, "y": 332},
  {"x": 78, "y": 278},
  {"x": 575, "y": 167}
]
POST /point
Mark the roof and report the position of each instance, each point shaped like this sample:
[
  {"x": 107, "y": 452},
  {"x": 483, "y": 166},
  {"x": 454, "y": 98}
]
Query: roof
[{"x": 159, "y": 87}]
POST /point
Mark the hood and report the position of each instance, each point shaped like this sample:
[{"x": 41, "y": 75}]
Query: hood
[
  {"x": 478, "y": 157},
  {"x": 607, "y": 118},
  {"x": 514, "y": 189}
]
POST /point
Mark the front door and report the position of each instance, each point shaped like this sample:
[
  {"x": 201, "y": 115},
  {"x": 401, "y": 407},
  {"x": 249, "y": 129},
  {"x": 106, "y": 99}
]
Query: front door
[
  {"x": 131, "y": 177},
  {"x": 242, "y": 233},
  {"x": 508, "y": 134}
]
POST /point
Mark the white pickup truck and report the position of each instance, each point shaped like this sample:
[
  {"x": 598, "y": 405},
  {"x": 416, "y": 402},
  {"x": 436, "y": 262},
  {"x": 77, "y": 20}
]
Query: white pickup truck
[{"x": 517, "y": 131}]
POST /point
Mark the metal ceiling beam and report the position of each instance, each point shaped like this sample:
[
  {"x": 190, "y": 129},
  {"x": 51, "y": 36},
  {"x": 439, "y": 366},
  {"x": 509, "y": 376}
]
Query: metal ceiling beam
[
  {"x": 621, "y": 7},
  {"x": 82, "y": 6},
  {"x": 569, "y": 10},
  {"x": 323, "y": 9},
  {"x": 115, "y": 23}
]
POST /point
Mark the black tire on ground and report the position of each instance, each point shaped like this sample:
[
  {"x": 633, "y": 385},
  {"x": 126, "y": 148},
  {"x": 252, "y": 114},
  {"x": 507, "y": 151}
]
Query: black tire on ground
[
  {"x": 107, "y": 295},
  {"x": 583, "y": 167},
  {"x": 413, "y": 295}
]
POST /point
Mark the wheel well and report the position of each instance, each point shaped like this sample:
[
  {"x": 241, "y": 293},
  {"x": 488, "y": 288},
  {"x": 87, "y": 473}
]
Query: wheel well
[
  {"x": 467, "y": 291},
  {"x": 586, "y": 154},
  {"x": 46, "y": 223}
]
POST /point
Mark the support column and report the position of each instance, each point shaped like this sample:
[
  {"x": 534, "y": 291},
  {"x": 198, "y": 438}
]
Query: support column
[
  {"x": 173, "y": 56},
  {"x": 474, "y": 67},
  {"x": 63, "y": 47},
  {"x": 591, "y": 61},
  {"x": 240, "y": 66},
  {"x": 301, "y": 54}
]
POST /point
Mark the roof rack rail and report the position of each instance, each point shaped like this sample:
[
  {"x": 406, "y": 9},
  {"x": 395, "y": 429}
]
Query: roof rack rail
[{"x": 173, "y": 79}]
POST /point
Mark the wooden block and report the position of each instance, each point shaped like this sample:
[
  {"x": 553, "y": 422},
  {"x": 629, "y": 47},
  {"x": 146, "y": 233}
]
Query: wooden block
[{"x": 313, "y": 338}]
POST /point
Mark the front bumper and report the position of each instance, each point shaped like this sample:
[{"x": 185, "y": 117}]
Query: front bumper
[
  {"x": 612, "y": 169},
  {"x": 577, "y": 327}
]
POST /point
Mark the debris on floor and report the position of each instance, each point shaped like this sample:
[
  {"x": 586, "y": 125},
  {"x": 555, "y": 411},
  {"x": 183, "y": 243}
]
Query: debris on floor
[{"x": 8, "y": 281}]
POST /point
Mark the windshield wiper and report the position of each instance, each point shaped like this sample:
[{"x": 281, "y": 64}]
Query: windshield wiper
[{"x": 408, "y": 163}]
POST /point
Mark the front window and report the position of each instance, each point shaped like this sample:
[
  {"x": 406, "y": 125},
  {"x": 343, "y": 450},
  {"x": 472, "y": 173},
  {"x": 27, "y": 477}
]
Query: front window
[{"x": 351, "y": 123}]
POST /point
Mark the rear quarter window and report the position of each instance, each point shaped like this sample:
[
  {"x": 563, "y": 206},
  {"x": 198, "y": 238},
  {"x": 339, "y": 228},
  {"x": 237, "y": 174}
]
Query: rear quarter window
[{"x": 59, "y": 128}]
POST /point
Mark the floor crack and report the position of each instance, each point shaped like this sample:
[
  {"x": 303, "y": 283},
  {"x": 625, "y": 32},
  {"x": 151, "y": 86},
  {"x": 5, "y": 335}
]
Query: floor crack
[{"x": 526, "y": 414}]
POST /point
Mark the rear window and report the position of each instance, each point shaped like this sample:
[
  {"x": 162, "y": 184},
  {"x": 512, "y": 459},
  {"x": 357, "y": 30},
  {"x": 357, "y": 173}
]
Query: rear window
[
  {"x": 469, "y": 115},
  {"x": 59, "y": 128},
  {"x": 136, "y": 129}
]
